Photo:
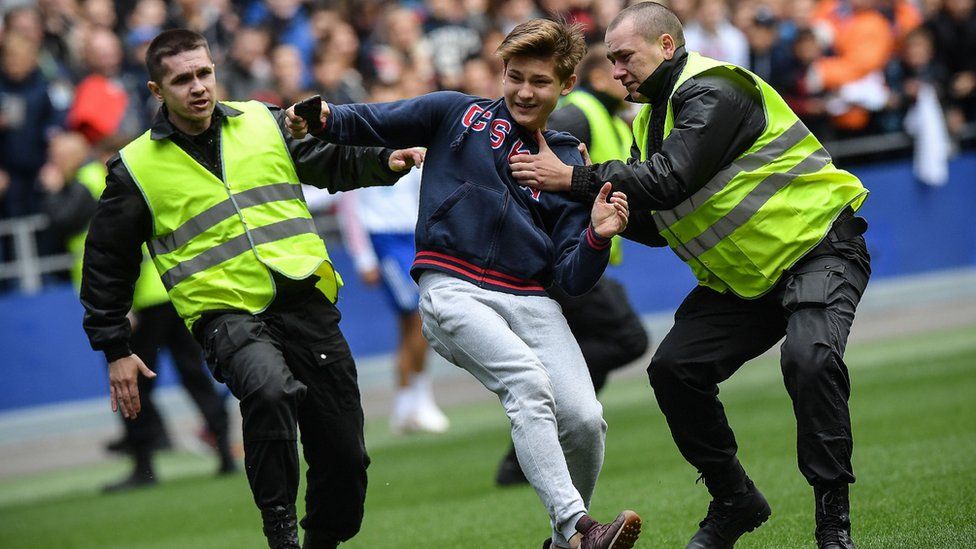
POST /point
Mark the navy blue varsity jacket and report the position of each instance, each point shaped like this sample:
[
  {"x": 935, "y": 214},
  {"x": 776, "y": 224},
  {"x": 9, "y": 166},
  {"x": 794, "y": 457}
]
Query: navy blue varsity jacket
[{"x": 476, "y": 222}]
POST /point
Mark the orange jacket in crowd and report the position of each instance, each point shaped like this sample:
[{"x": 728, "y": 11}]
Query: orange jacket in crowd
[{"x": 863, "y": 41}]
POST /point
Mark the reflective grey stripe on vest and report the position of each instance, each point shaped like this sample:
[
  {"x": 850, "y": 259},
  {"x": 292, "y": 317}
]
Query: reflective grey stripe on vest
[
  {"x": 751, "y": 204},
  {"x": 236, "y": 246},
  {"x": 199, "y": 223},
  {"x": 751, "y": 162}
]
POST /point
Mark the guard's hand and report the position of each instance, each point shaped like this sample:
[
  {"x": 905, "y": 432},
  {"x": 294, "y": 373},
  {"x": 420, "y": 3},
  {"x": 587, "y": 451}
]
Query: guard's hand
[
  {"x": 123, "y": 379},
  {"x": 297, "y": 126},
  {"x": 543, "y": 171},
  {"x": 609, "y": 217},
  {"x": 585, "y": 153},
  {"x": 404, "y": 159}
]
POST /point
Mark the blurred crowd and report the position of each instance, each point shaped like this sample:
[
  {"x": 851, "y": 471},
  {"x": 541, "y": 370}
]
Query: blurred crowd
[{"x": 848, "y": 67}]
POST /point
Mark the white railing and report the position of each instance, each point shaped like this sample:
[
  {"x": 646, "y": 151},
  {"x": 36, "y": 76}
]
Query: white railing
[{"x": 27, "y": 267}]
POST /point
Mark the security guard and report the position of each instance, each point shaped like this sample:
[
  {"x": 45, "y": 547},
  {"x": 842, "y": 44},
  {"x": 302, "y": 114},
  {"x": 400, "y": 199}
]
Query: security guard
[
  {"x": 156, "y": 325},
  {"x": 739, "y": 188},
  {"x": 213, "y": 188}
]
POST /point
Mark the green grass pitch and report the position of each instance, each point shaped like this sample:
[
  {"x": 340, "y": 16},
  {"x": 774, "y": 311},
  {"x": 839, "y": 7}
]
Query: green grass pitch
[{"x": 914, "y": 411}]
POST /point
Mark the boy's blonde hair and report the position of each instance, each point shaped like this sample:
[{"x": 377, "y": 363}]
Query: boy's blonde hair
[{"x": 542, "y": 38}]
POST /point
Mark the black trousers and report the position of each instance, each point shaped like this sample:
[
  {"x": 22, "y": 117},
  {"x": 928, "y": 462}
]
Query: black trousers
[
  {"x": 609, "y": 332},
  {"x": 161, "y": 327},
  {"x": 292, "y": 371},
  {"x": 715, "y": 333}
]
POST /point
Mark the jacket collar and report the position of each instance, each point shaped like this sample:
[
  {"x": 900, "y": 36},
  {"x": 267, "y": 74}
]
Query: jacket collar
[
  {"x": 660, "y": 83},
  {"x": 162, "y": 128}
]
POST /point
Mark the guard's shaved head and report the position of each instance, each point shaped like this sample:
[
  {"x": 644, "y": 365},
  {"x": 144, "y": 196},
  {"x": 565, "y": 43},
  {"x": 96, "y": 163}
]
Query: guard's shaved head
[{"x": 653, "y": 20}]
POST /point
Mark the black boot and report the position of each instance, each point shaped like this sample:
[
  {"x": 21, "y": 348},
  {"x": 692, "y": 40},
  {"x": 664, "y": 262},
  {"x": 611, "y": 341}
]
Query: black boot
[
  {"x": 833, "y": 517},
  {"x": 729, "y": 517},
  {"x": 509, "y": 471},
  {"x": 142, "y": 475},
  {"x": 316, "y": 539},
  {"x": 281, "y": 527},
  {"x": 138, "y": 479}
]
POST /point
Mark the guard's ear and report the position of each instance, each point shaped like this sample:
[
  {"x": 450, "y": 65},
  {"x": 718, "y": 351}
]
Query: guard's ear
[
  {"x": 154, "y": 89},
  {"x": 668, "y": 45}
]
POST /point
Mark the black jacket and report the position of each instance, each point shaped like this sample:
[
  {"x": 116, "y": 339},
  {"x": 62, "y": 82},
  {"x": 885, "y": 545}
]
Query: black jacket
[
  {"x": 122, "y": 222},
  {"x": 718, "y": 115}
]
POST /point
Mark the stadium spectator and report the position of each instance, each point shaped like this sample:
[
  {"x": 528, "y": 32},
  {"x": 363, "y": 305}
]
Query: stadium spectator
[
  {"x": 247, "y": 71},
  {"x": 712, "y": 34},
  {"x": 287, "y": 21},
  {"x": 202, "y": 17},
  {"x": 399, "y": 46},
  {"x": 451, "y": 39},
  {"x": 336, "y": 78},
  {"x": 810, "y": 106},
  {"x": 903, "y": 16},
  {"x": 107, "y": 100},
  {"x": 27, "y": 119},
  {"x": 861, "y": 41},
  {"x": 954, "y": 30},
  {"x": 766, "y": 57},
  {"x": 288, "y": 75},
  {"x": 714, "y": 144},
  {"x": 914, "y": 68},
  {"x": 480, "y": 78}
]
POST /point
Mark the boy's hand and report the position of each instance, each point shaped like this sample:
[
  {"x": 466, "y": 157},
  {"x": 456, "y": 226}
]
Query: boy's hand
[
  {"x": 609, "y": 217},
  {"x": 297, "y": 126}
]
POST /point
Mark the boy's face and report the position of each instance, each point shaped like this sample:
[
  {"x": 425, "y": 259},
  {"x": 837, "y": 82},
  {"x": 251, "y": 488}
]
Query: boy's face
[{"x": 532, "y": 88}]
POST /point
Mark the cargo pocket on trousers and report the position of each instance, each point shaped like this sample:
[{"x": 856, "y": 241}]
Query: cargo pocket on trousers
[
  {"x": 337, "y": 368},
  {"x": 226, "y": 337},
  {"x": 813, "y": 286}
]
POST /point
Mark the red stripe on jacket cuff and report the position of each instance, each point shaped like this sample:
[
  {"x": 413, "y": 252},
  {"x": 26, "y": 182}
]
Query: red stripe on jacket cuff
[{"x": 596, "y": 241}]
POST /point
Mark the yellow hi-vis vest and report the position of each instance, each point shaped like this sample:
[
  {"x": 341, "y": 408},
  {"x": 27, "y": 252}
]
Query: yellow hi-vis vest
[
  {"x": 610, "y": 139},
  {"x": 215, "y": 241},
  {"x": 759, "y": 215},
  {"x": 149, "y": 290}
]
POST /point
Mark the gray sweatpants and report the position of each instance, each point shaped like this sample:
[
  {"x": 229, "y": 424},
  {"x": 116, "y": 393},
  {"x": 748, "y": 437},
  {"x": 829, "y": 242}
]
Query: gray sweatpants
[{"x": 521, "y": 349}]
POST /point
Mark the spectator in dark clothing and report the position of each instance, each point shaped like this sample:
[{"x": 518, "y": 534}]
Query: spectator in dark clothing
[
  {"x": 766, "y": 58},
  {"x": 954, "y": 30},
  {"x": 287, "y": 21},
  {"x": 27, "y": 117},
  {"x": 915, "y": 66},
  {"x": 810, "y": 107},
  {"x": 247, "y": 70}
]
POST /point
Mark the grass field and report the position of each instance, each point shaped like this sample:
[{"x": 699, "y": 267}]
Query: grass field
[{"x": 914, "y": 411}]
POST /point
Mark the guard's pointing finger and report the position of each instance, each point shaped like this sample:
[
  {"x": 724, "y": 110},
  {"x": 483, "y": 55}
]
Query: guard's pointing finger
[{"x": 541, "y": 140}]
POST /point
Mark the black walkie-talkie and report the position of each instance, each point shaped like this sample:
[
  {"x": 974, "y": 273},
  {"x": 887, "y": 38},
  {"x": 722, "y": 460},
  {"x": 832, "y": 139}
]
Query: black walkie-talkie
[{"x": 311, "y": 111}]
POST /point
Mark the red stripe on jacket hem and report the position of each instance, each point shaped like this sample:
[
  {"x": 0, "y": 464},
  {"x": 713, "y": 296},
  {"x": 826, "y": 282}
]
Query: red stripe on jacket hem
[
  {"x": 478, "y": 278},
  {"x": 475, "y": 269}
]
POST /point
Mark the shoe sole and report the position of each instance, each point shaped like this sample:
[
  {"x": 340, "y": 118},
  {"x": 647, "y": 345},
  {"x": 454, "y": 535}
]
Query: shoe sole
[{"x": 629, "y": 531}]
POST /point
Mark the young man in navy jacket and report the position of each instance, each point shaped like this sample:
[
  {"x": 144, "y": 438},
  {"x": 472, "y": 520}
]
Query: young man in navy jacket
[{"x": 486, "y": 250}]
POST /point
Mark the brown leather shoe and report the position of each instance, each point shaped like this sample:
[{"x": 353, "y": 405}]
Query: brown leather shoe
[{"x": 622, "y": 533}]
